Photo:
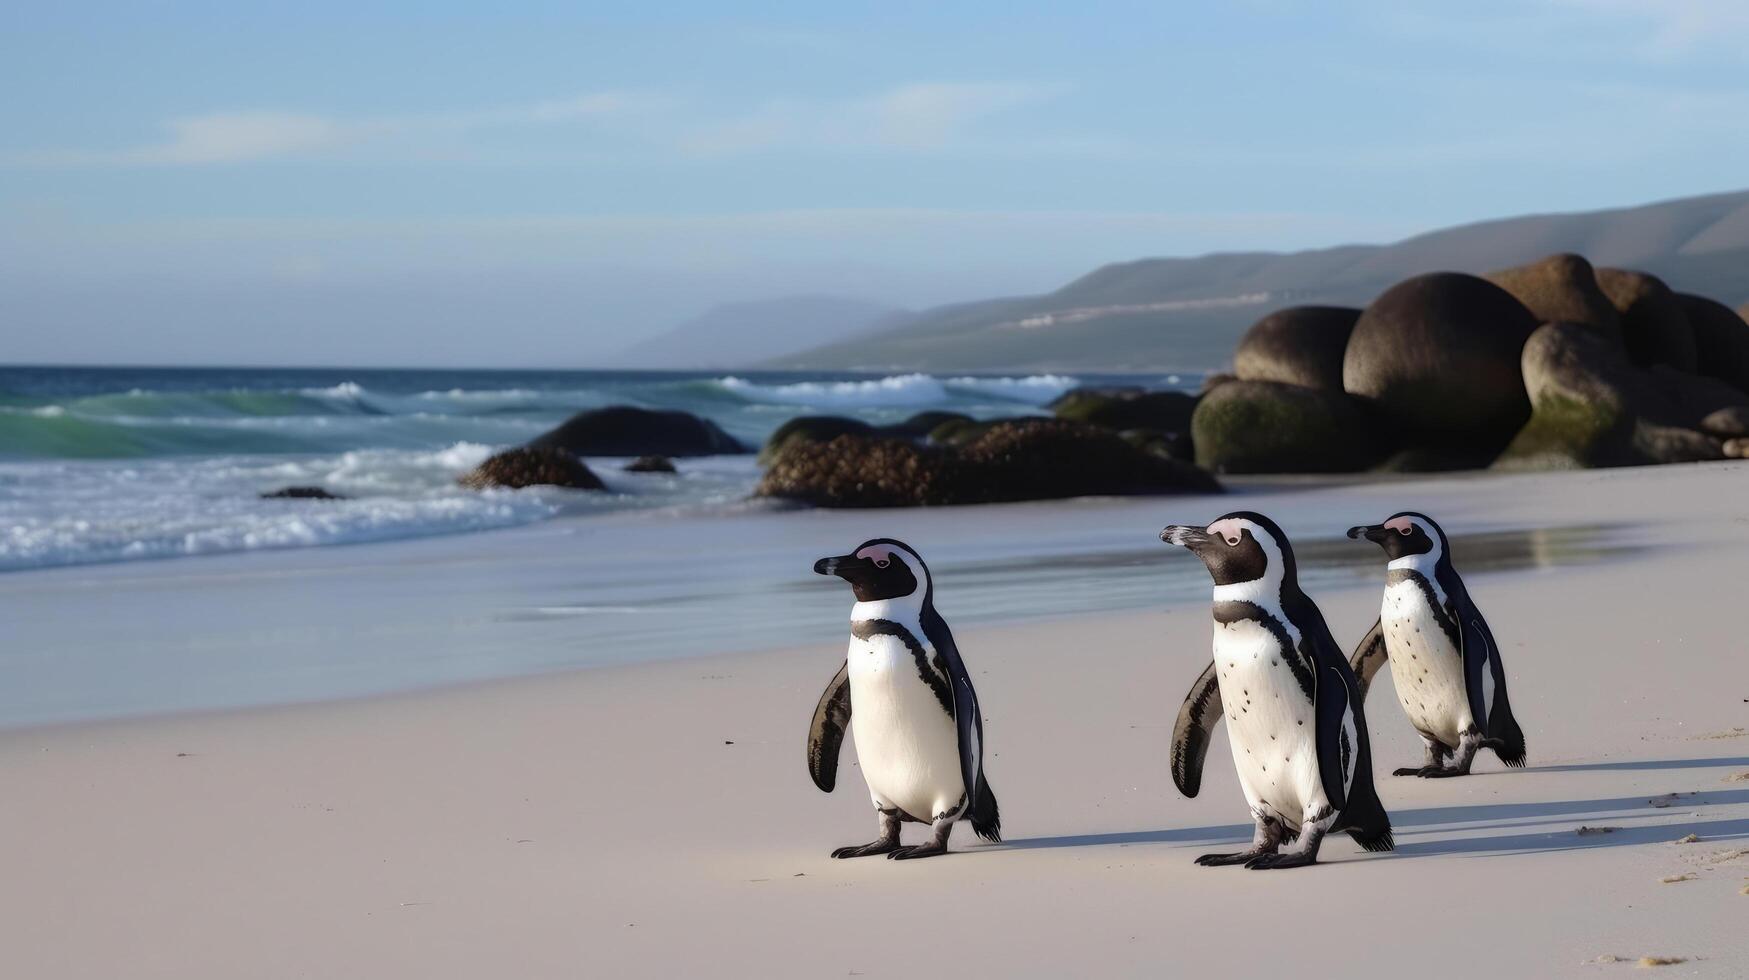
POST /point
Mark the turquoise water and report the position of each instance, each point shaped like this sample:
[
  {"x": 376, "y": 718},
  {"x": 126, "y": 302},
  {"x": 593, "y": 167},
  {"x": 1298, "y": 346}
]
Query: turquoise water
[{"x": 112, "y": 464}]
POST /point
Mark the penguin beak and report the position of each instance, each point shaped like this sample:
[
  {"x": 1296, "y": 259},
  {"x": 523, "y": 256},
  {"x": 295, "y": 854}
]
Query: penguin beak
[
  {"x": 1185, "y": 536},
  {"x": 1376, "y": 533},
  {"x": 839, "y": 566}
]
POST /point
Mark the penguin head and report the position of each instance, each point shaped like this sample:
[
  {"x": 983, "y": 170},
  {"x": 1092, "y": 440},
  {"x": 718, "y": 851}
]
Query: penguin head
[
  {"x": 1239, "y": 547},
  {"x": 1404, "y": 535},
  {"x": 880, "y": 569}
]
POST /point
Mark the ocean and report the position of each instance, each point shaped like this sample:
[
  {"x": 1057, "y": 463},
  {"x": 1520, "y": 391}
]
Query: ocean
[{"x": 115, "y": 464}]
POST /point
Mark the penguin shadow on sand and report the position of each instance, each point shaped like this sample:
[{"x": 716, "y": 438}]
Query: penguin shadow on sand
[{"x": 1461, "y": 830}]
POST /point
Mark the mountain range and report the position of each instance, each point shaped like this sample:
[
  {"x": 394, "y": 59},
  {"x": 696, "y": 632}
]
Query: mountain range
[
  {"x": 1187, "y": 313},
  {"x": 736, "y": 335}
]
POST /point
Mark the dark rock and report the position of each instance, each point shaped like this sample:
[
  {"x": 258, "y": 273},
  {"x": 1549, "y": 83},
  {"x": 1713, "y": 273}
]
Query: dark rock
[
  {"x": 811, "y": 428},
  {"x": 302, "y": 493},
  {"x": 527, "y": 466},
  {"x": 622, "y": 430},
  {"x": 1126, "y": 408},
  {"x": 1049, "y": 459},
  {"x": 1301, "y": 345},
  {"x": 1688, "y": 399},
  {"x": 1721, "y": 340},
  {"x": 1727, "y": 422},
  {"x": 650, "y": 464},
  {"x": 1653, "y": 327},
  {"x": 1172, "y": 445},
  {"x": 1437, "y": 357},
  {"x": 1266, "y": 427},
  {"x": 1561, "y": 287},
  {"x": 963, "y": 432},
  {"x": 920, "y": 425},
  {"x": 1594, "y": 407}
]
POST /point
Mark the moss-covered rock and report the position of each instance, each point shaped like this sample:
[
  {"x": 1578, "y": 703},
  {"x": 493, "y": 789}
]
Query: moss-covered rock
[
  {"x": 527, "y": 466},
  {"x": 1721, "y": 340},
  {"x": 1654, "y": 329},
  {"x": 1593, "y": 407},
  {"x": 810, "y": 428},
  {"x": 1563, "y": 288},
  {"x": 1126, "y": 408},
  {"x": 1046, "y": 460},
  {"x": 1437, "y": 357},
  {"x": 625, "y": 430},
  {"x": 1300, "y": 345},
  {"x": 1265, "y": 427},
  {"x": 920, "y": 425},
  {"x": 963, "y": 432}
]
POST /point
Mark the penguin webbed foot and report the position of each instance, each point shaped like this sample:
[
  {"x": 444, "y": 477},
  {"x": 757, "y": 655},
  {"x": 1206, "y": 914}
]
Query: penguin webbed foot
[
  {"x": 1237, "y": 857},
  {"x": 1289, "y": 859},
  {"x": 917, "y": 851},
  {"x": 1440, "y": 772},
  {"x": 867, "y": 850},
  {"x": 1408, "y": 771}
]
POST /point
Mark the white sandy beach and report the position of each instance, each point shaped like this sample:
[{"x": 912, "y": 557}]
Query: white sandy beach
[{"x": 657, "y": 819}]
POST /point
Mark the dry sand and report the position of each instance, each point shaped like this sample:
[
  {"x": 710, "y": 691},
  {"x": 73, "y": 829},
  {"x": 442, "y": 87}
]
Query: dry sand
[{"x": 658, "y": 820}]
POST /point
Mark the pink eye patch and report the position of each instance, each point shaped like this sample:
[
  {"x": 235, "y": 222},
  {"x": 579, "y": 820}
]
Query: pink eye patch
[{"x": 1230, "y": 530}]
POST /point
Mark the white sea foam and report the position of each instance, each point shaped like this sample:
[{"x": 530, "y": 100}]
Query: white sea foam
[
  {"x": 901, "y": 391},
  {"x": 1036, "y": 389}
]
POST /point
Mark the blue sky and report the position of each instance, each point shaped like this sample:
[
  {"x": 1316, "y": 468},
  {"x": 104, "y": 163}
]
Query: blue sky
[{"x": 439, "y": 183}]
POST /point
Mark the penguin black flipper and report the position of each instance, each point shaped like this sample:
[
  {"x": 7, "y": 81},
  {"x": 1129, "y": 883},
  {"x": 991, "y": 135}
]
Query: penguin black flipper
[
  {"x": 1344, "y": 751},
  {"x": 1481, "y": 653},
  {"x": 980, "y": 806},
  {"x": 1369, "y": 657},
  {"x": 826, "y": 733},
  {"x": 1193, "y": 729}
]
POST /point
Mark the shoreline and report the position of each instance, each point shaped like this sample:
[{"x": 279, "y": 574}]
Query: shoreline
[{"x": 652, "y": 819}]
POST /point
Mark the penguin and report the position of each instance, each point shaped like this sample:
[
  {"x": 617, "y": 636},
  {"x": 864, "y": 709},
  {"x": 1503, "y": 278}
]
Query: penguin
[
  {"x": 1444, "y": 661},
  {"x": 919, "y": 733},
  {"x": 1292, "y": 704}
]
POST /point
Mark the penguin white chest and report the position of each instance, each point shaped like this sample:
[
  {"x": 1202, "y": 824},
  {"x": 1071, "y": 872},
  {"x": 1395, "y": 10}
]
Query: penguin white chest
[
  {"x": 1271, "y": 723},
  {"x": 1427, "y": 669},
  {"x": 906, "y": 741}
]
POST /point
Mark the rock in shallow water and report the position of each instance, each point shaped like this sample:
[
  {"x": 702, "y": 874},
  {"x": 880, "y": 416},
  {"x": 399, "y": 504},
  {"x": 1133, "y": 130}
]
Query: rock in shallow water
[
  {"x": 650, "y": 464},
  {"x": 1126, "y": 408},
  {"x": 622, "y": 430},
  {"x": 1046, "y": 460},
  {"x": 302, "y": 493},
  {"x": 527, "y": 466}
]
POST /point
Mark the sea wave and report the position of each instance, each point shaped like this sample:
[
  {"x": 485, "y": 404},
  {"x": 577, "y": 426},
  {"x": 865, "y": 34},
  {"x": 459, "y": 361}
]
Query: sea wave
[{"x": 900, "y": 391}]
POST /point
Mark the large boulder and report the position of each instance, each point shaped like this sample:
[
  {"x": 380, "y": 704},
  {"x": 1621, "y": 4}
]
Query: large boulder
[
  {"x": 1561, "y": 287},
  {"x": 1126, "y": 408},
  {"x": 1266, "y": 427},
  {"x": 1594, "y": 407},
  {"x": 1052, "y": 460},
  {"x": 527, "y": 466},
  {"x": 1301, "y": 345},
  {"x": 1653, "y": 327},
  {"x": 964, "y": 432},
  {"x": 1721, "y": 340},
  {"x": 811, "y": 428},
  {"x": 1437, "y": 357},
  {"x": 622, "y": 430}
]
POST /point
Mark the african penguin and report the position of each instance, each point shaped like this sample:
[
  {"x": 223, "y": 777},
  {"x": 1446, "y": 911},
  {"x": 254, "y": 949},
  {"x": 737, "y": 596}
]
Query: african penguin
[
  {"x": 1292, "y": 704},
  {"x": 919, "y": 735},
  {"x": 1444, "y": 662}
]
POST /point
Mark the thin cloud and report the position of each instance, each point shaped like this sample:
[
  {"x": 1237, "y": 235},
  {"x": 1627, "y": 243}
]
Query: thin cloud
[
  {"x": 916, "y": 116},
  {"x": 257, "y": 135}
]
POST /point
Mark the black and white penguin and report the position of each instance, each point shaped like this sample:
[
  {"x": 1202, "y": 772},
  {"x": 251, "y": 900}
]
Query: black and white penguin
[
  {"x": 919, "y": 735},
  {"x": 1292, "y": 704},
  {"x": 1444, "y": 662}
]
